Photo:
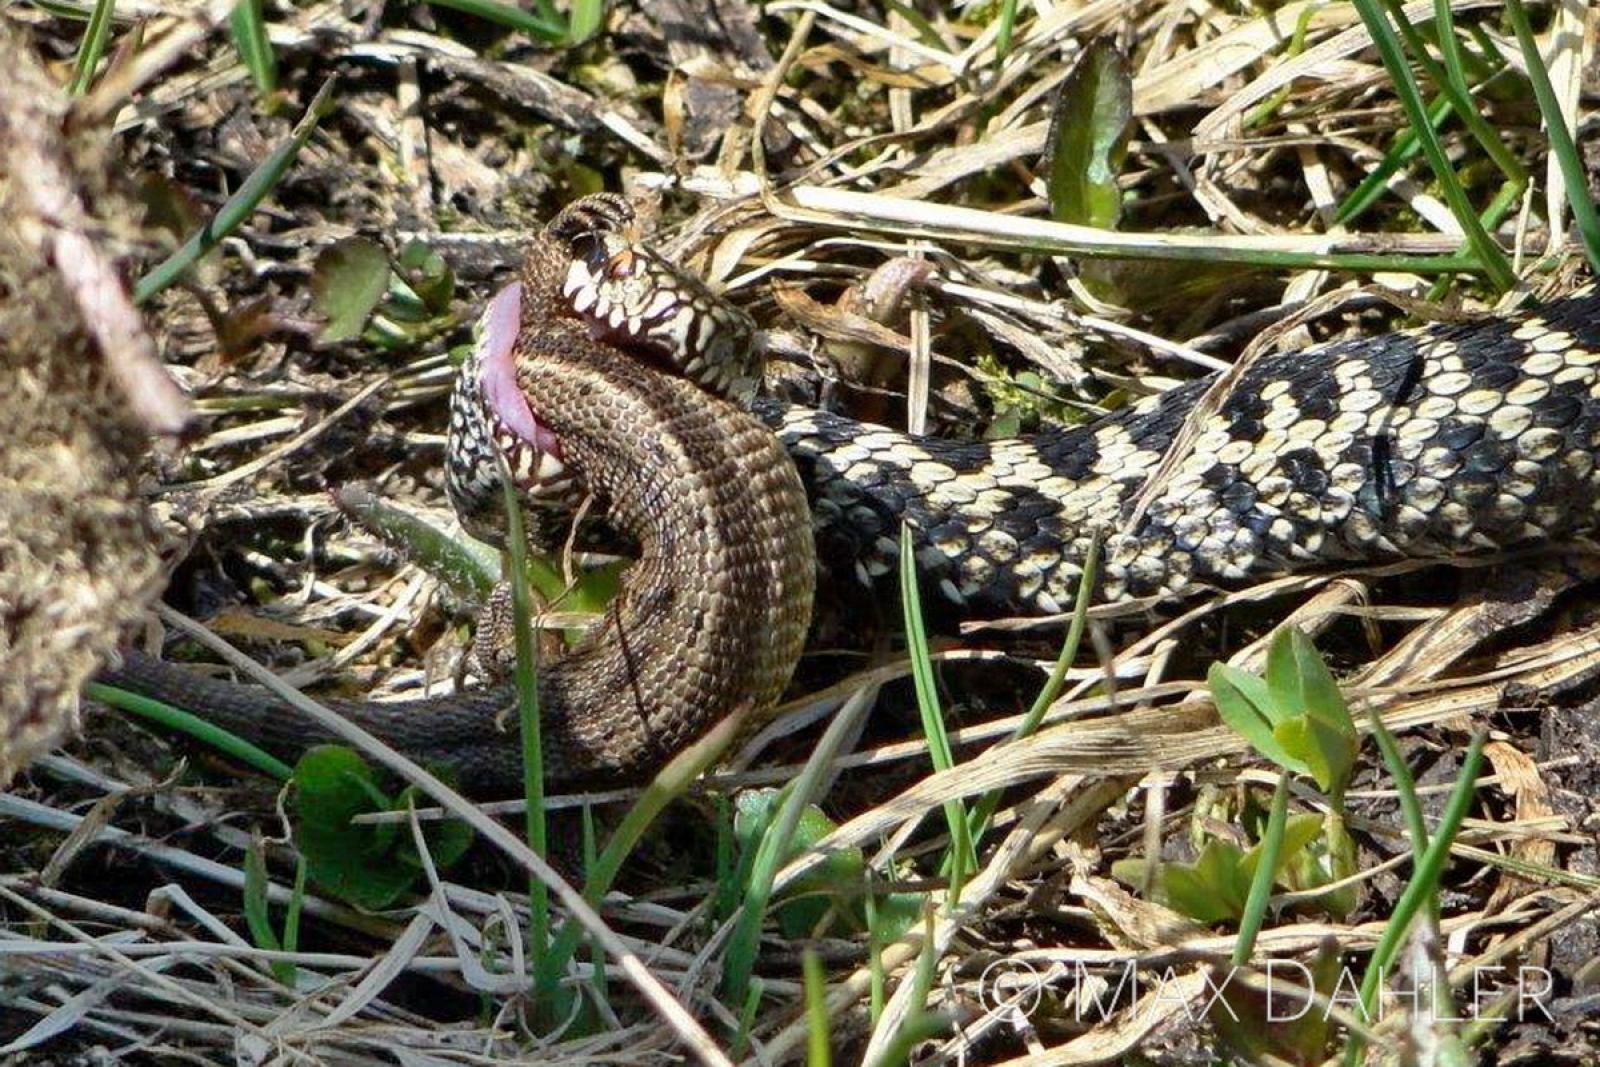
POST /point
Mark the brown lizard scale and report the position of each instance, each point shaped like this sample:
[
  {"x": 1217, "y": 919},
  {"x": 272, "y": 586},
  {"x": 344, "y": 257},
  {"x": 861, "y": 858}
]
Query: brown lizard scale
[{"x": 1431, "y": 443}]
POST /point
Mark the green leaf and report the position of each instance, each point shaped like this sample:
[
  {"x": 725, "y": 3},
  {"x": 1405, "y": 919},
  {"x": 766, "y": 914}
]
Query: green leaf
[
  {"x": 596, "y": 587},
  {"x": 1089, "y": 138},
  {"x": 1246, "y": 704},
  {"x": 1326, "y": 753},
  {"x": 1005, "y": 425},
  {"x": 1215, "y": 887},
  {"x": 1212, "y": 889},
  {"x": 838, "y": 883},
  {"x": 1300, "y": 681},
  {"x": 1130, "y": 871},
  {"x": 807, "y": 901},
  {"x": 92, "y": 47},
  {"x": 1320, "y": 732},
  {"x": 896, "y": 913},
  {"x": 428, "y": 275},
  {"x": 349, "y": 279},
  {"x": 332, "y": 785},
  {"x": 448, "y": 839},
  {"x": 1330, "y": 856},
  {"x": 255, "y": 898},
  {"x": 249, "y": 28},
  {"x": 584, "y": 22},
  {"x": 1298, "y": 832}
]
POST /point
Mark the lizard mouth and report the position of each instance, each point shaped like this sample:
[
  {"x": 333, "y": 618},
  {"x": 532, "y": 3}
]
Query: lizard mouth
[{"x": 531, "y": 449}]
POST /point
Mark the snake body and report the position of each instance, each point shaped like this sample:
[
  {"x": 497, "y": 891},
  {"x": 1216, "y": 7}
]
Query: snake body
[{"x": 1429, "y": 443}]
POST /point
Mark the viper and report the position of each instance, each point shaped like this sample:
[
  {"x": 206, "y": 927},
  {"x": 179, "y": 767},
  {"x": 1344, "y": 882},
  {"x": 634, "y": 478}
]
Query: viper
[{"x": 608, "y": 375}]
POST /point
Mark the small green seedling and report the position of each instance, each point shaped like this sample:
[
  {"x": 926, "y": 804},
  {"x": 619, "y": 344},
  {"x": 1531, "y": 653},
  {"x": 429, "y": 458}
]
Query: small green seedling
[
  {"x": 829, "y": 900},
  {"x": 1295, "y": 716},
  {"x": 369, "y": 866},
  {"x": 360, "y": 293},
  {"x": 257, "y": 913},
  {"x": 1214, "y": 888}
]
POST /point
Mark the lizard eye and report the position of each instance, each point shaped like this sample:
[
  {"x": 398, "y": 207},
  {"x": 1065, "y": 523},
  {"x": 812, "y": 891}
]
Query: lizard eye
[{"x": 590, "y": 250}]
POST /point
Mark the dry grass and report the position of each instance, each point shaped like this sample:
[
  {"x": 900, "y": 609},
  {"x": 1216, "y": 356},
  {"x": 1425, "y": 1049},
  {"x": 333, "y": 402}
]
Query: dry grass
[{"x": 883, "y": 139}]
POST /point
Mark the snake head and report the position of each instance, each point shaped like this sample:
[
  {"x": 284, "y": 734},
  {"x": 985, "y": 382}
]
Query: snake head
[{"x": 631, "y": 298}]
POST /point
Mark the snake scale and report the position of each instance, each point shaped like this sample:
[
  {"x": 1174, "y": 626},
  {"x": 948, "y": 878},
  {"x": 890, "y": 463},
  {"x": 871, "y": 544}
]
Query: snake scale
[{"x": 609, "y": 372}]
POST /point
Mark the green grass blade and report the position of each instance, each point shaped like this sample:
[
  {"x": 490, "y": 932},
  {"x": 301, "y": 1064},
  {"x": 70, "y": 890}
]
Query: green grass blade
[
  {"x": 984, "y": 809},
  {"x": 1454, "y": 63},
  {"x": 1490, "y": 259},
  {"x": 747, "y": 1018},
  {"x": 291, "y": 917},
  {"x": 92, "y": 47},
  {"x": 1561, "y": 143},
  {"x": 546, "y": 10},
  {"x": 877, "y": 973},
  {"x": 1405, "y": 789},
  {"x": 672, "y": 781},
  {"x": 738, "y": 962},
  {"x": 1008, "y": 26},
  {"x": 819, "y": 1052},
  {"x": 1402, "y": 151},
  {"x": 1069, "y": 648},
  {"x": 527, "y": 686},
  {"x": 1297, "y": 44},
  {"x": 1451, "y": 80},
  {"x": 1423, "y": 886},
  {"x": 177, "y": 719},
  {"x": 249, "y": 29},
  {"x": 918, "y": 1024},
  {"x": 534, "y": 24},
  {"x": 598, "y": 985},
  {"x": 1255, "y": 903},
  {"x": 585, "y": 20},
  {"x": 1405, "y": 786},
  {"x": 238, "y": 207},
  {"x": 963, "y": 858}
]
